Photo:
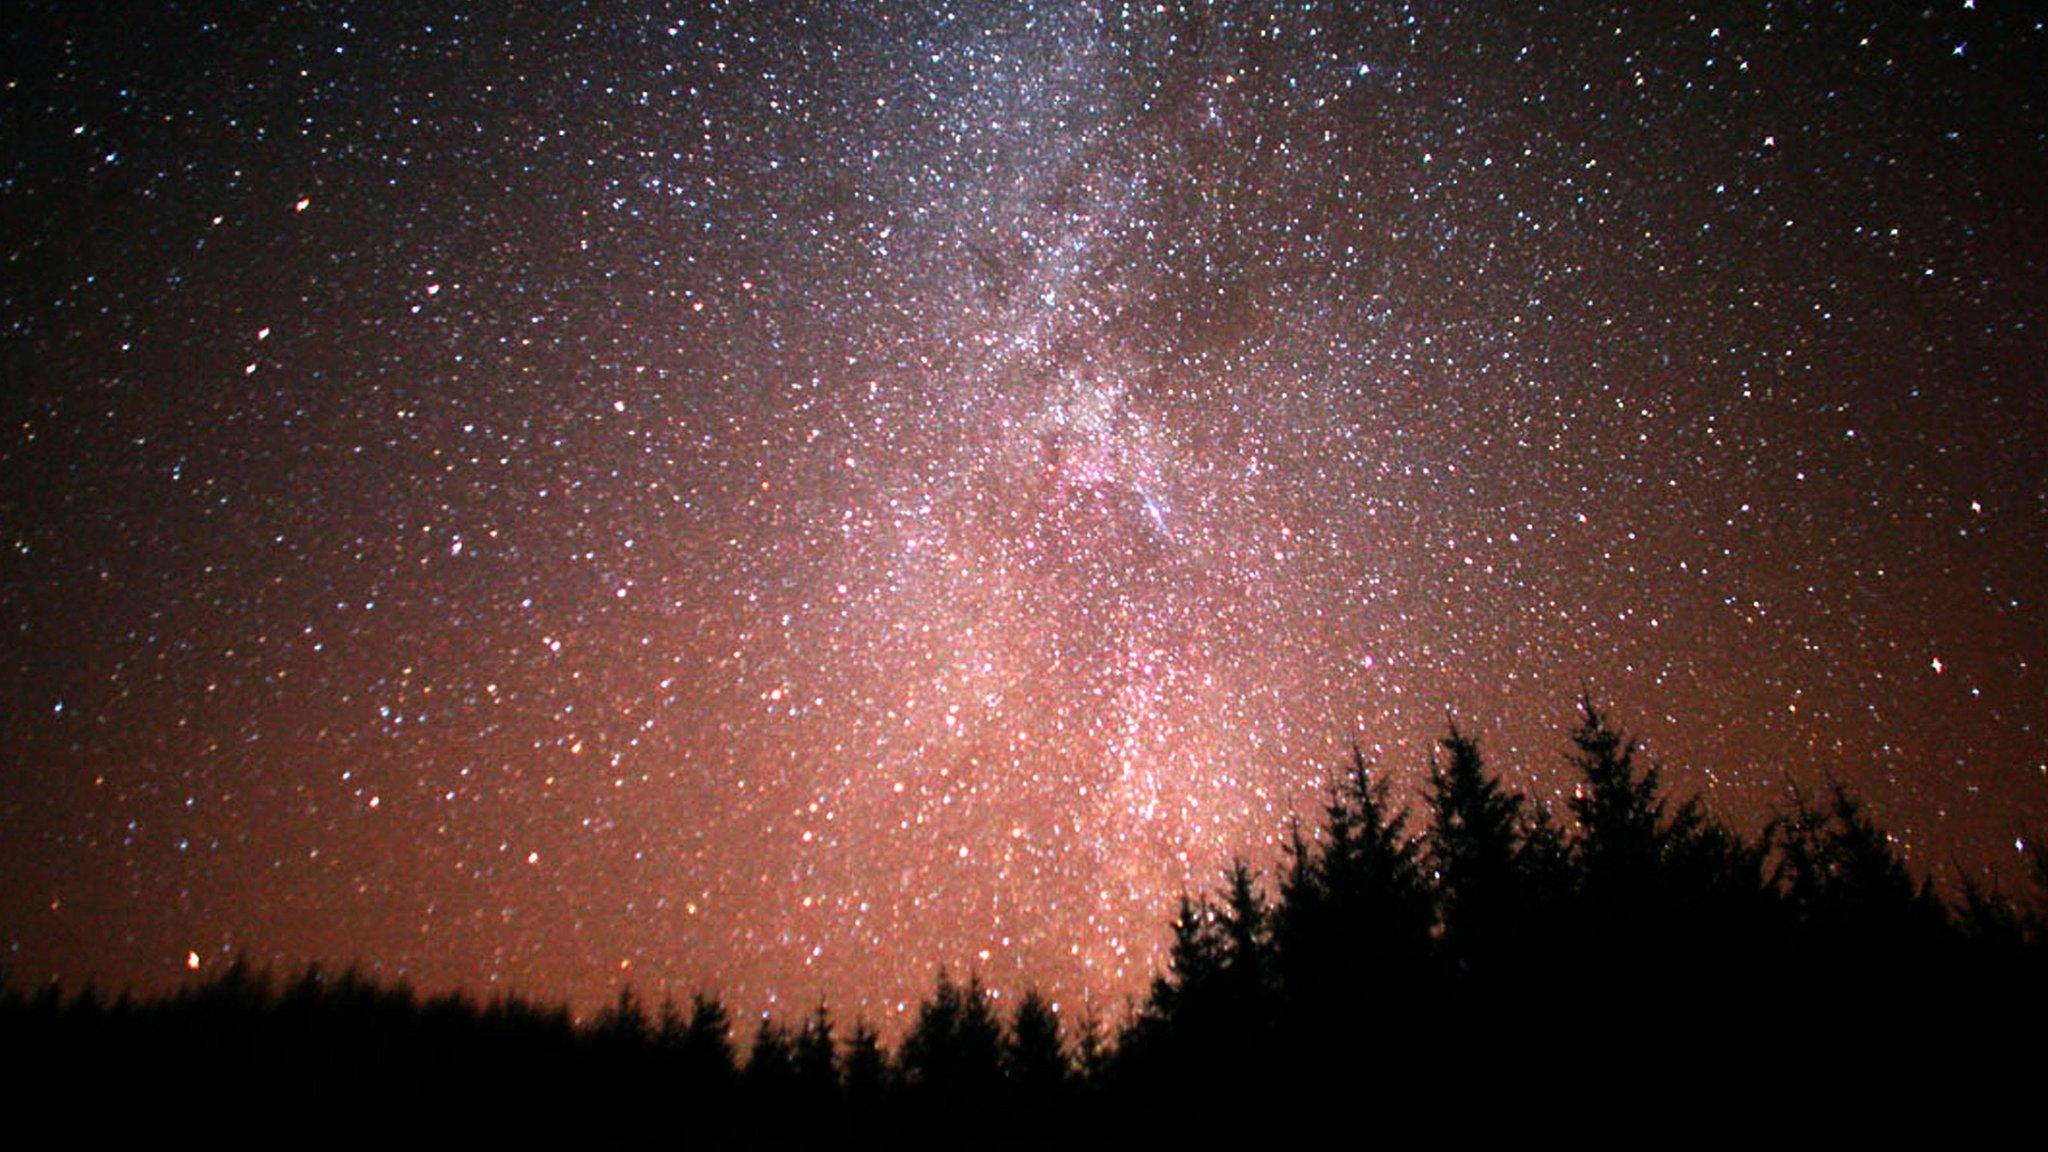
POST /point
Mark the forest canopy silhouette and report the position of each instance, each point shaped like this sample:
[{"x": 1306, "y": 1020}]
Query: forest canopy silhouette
[{"x": 1631, "y": 945}]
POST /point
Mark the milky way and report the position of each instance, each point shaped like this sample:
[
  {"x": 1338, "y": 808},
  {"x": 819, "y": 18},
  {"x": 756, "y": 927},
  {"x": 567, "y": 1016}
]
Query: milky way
[{"x": 777, "y": 502}]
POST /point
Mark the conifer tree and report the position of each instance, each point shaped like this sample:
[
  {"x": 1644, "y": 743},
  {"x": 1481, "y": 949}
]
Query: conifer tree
[
  {"x": 1246, "y": 924},
  {"x": 771, "y": 1062},
  {"x": 1215, "y": 1005},
  {"x": 670, "y": 1029},
  {"x": 817, "y": 1058},
  {"x": 956, "y": 1044},
  {"x": 1861, "y": 926},
  {"x": 1035, "y": 1055},
  {"x": 1194, "y": 965},
  {"x": 1092, "y": 1053},
  {"x": 1663, "y": 896},
  {"x": 706, "y": 1051},
  {"x": 867, "y": 1066},
  {"x": 1620, "y": 814},
  {"x": 1475, "y": 846},
  {"x": 1352, "y": 929},
  {"x": 623, "y": 1025},
  {"x": 1844, "y": 879}
]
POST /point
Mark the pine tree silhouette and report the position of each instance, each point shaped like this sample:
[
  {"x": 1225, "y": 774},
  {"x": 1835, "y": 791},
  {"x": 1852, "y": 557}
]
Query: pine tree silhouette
[
  {"x": 706, "y": 1055},
  {"x": 623, "y": 1025},
  {"x": 770, "y": 1074},
  {"x": 1247, "y": 929},
  {"x": 670, "y": 1027},
  {"x": 1035, "y": 1060},
  {"x": 1212, "y": 1015},
  {"x": 1181, "y": 1009},
  {"x": 1476, "y": 843},
  {"x": 1619, "y": 810},
  {"x": 1352, "y": 931},
  {"x": 1855, "y": 903},
  {"x": 817, "y": 1061},
  {"x": 1092, "y": 1052},
  {"x": 955, "y": 1048},
  {"x": 867, "y": 1066}
]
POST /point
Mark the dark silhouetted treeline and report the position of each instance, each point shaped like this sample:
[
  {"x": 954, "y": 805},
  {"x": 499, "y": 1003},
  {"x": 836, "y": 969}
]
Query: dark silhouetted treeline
[{"x": 1476, "y": 965}]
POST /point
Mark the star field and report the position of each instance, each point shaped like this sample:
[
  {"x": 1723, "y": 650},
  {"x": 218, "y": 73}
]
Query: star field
[{"x": 775, "y": 499}]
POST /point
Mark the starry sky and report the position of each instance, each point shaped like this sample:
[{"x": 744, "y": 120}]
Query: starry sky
[{"x": 778, "y": 498}]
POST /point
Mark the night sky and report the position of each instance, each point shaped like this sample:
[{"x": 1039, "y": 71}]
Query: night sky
[{"x": 776, "y": 501}]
